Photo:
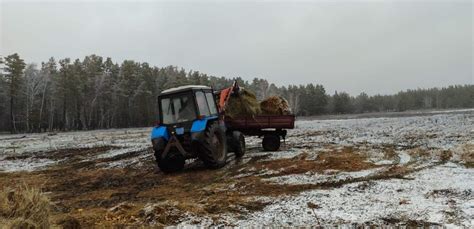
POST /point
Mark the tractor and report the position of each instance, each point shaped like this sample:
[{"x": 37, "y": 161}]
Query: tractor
[{"x": 192, "y": 124}]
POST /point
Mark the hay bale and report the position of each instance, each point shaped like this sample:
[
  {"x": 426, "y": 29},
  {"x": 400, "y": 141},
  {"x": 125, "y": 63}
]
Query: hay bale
[
  {"x": 275, "y": 105},
  {"x": 243, "y": 105}
]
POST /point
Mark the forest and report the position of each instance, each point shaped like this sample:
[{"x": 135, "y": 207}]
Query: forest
[{"x": 98, "y": 93}]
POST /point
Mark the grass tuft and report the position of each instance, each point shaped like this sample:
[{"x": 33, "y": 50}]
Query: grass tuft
[{"x": 24, "y": 207}]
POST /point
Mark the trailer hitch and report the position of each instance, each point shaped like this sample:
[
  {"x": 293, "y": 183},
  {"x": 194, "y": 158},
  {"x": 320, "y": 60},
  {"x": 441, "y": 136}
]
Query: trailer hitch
[{"x": 173, "y": 142}]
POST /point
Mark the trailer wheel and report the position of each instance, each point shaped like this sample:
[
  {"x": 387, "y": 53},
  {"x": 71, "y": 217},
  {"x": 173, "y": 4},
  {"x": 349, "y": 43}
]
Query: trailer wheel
[
  {"x": 213, "y": 148},
  {"x": 271, "y": 142},
  {"x": 238, "y": 143},
  {"x": 173, "y": 161}
]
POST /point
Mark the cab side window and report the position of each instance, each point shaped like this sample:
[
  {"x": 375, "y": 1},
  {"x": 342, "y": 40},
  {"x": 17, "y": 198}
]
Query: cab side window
[
  {"x": 212, "y": 104},
  {"x": 202, "y": 104}
]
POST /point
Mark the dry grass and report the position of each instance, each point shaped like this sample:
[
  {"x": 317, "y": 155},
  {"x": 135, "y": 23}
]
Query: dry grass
[
  {"x": 467, "y": 155},
  {"x": 346, "y": 159},
  {"x": 24, "y": 207}
]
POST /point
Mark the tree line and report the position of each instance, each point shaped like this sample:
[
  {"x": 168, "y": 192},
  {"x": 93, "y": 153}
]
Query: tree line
[{"x": 95, "y": 93}]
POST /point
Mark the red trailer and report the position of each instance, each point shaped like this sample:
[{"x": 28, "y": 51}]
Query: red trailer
[{"x": 271, "y": 127}]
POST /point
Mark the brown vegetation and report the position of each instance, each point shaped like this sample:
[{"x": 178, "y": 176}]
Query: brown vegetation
[
  {"x": 347, "y": 159},
  {"x": 24, "y": 207},
  {"x": 467, "y": 155}
]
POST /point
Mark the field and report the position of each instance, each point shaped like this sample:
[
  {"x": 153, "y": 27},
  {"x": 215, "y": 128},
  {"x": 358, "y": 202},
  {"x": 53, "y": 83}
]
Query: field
[{"x": 411, "y": 170}]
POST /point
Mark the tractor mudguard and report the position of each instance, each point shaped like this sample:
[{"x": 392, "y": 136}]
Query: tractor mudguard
[
  {"x": 200, "y": 124},
  {"x": 160, "y": 132},
  {"x": 199, "y": 128}
]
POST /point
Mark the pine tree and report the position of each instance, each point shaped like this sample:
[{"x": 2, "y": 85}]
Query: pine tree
[
  {"x": 342, "y": 103},
  {"x": 3, "y": 99},
  {"x": 362, "y": 103},
  {"x": 14, "y": 73}
]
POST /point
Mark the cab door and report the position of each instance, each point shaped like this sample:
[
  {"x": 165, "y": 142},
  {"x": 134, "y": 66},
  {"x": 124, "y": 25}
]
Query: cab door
[{"x": 206, "y": 104}]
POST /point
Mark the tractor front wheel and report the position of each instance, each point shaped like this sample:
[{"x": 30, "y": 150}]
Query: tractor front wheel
[
  {"x": 213, "y": 148},
  {"x": 172, "y": 162}
]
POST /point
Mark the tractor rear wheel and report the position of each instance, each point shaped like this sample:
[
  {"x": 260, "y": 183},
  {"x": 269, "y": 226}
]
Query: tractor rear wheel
[
  {"x": 213, "y": 148},
  {"x": 271, "y": 142},
  {"x": 172, "y": 162}
]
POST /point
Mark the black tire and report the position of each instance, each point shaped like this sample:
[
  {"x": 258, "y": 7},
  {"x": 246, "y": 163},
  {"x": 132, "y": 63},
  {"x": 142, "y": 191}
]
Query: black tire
[
  {"x": 213, "y": 147},
  {"x": 238, "y": 144},
  {"x": 173, "y": 161},
  {"x": 271, "y": 142}
]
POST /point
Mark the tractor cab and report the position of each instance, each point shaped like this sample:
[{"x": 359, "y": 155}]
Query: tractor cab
[{"x": 181, "y": 107}]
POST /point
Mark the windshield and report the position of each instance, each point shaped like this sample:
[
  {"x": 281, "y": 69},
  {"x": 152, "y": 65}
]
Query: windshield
[{"x": 178, "y": 109}]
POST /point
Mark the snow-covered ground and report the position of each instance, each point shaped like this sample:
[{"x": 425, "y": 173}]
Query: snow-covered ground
[
  {"x": 437, "y": 149},
  {"x": 441, "y": 131},
  {"x": 442, "y": 194},
  {"x": 122, "y": 140},
  {"x": 438, "y": 194}
]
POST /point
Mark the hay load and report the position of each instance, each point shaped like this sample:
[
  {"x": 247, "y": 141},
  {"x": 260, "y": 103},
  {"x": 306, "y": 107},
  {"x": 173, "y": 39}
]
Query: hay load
[
  {"x": 275, "y": 105},
  {"x": 244, "y": 105}
]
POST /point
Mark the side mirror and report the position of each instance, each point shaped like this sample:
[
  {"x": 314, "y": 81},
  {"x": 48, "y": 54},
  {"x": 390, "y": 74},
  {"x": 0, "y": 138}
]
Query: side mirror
[{"x": 201, "y": 117}]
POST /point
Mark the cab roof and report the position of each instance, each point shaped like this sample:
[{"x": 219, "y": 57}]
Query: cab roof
[{"x": 184, "y": 88}]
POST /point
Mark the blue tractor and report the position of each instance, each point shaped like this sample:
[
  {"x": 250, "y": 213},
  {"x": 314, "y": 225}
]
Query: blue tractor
[{"x": 191, "y": 125}]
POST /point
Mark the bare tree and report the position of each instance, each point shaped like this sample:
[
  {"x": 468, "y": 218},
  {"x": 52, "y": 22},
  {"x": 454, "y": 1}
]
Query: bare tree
[{"x": 34, "y": 85}]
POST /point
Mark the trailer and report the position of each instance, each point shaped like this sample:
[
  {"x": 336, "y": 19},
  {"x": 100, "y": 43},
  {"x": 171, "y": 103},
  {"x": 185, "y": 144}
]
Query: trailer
[{"x": 272, "y": 128}]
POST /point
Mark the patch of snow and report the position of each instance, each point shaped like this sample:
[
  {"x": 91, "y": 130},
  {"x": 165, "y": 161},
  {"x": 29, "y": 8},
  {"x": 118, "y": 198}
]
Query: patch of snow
[
  {"x": 116, "y": 152},
  {"x": 128, "y": 162},
  {"x": 310, "y": 178},
  {"x": 28, "y": 164},
  {"x": 404, "y": 157},
  {"x": 383, "y": 162}
]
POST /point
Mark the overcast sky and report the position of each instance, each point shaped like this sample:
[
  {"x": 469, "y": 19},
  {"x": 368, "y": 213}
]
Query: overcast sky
[{"x": 354, "y": 46}]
